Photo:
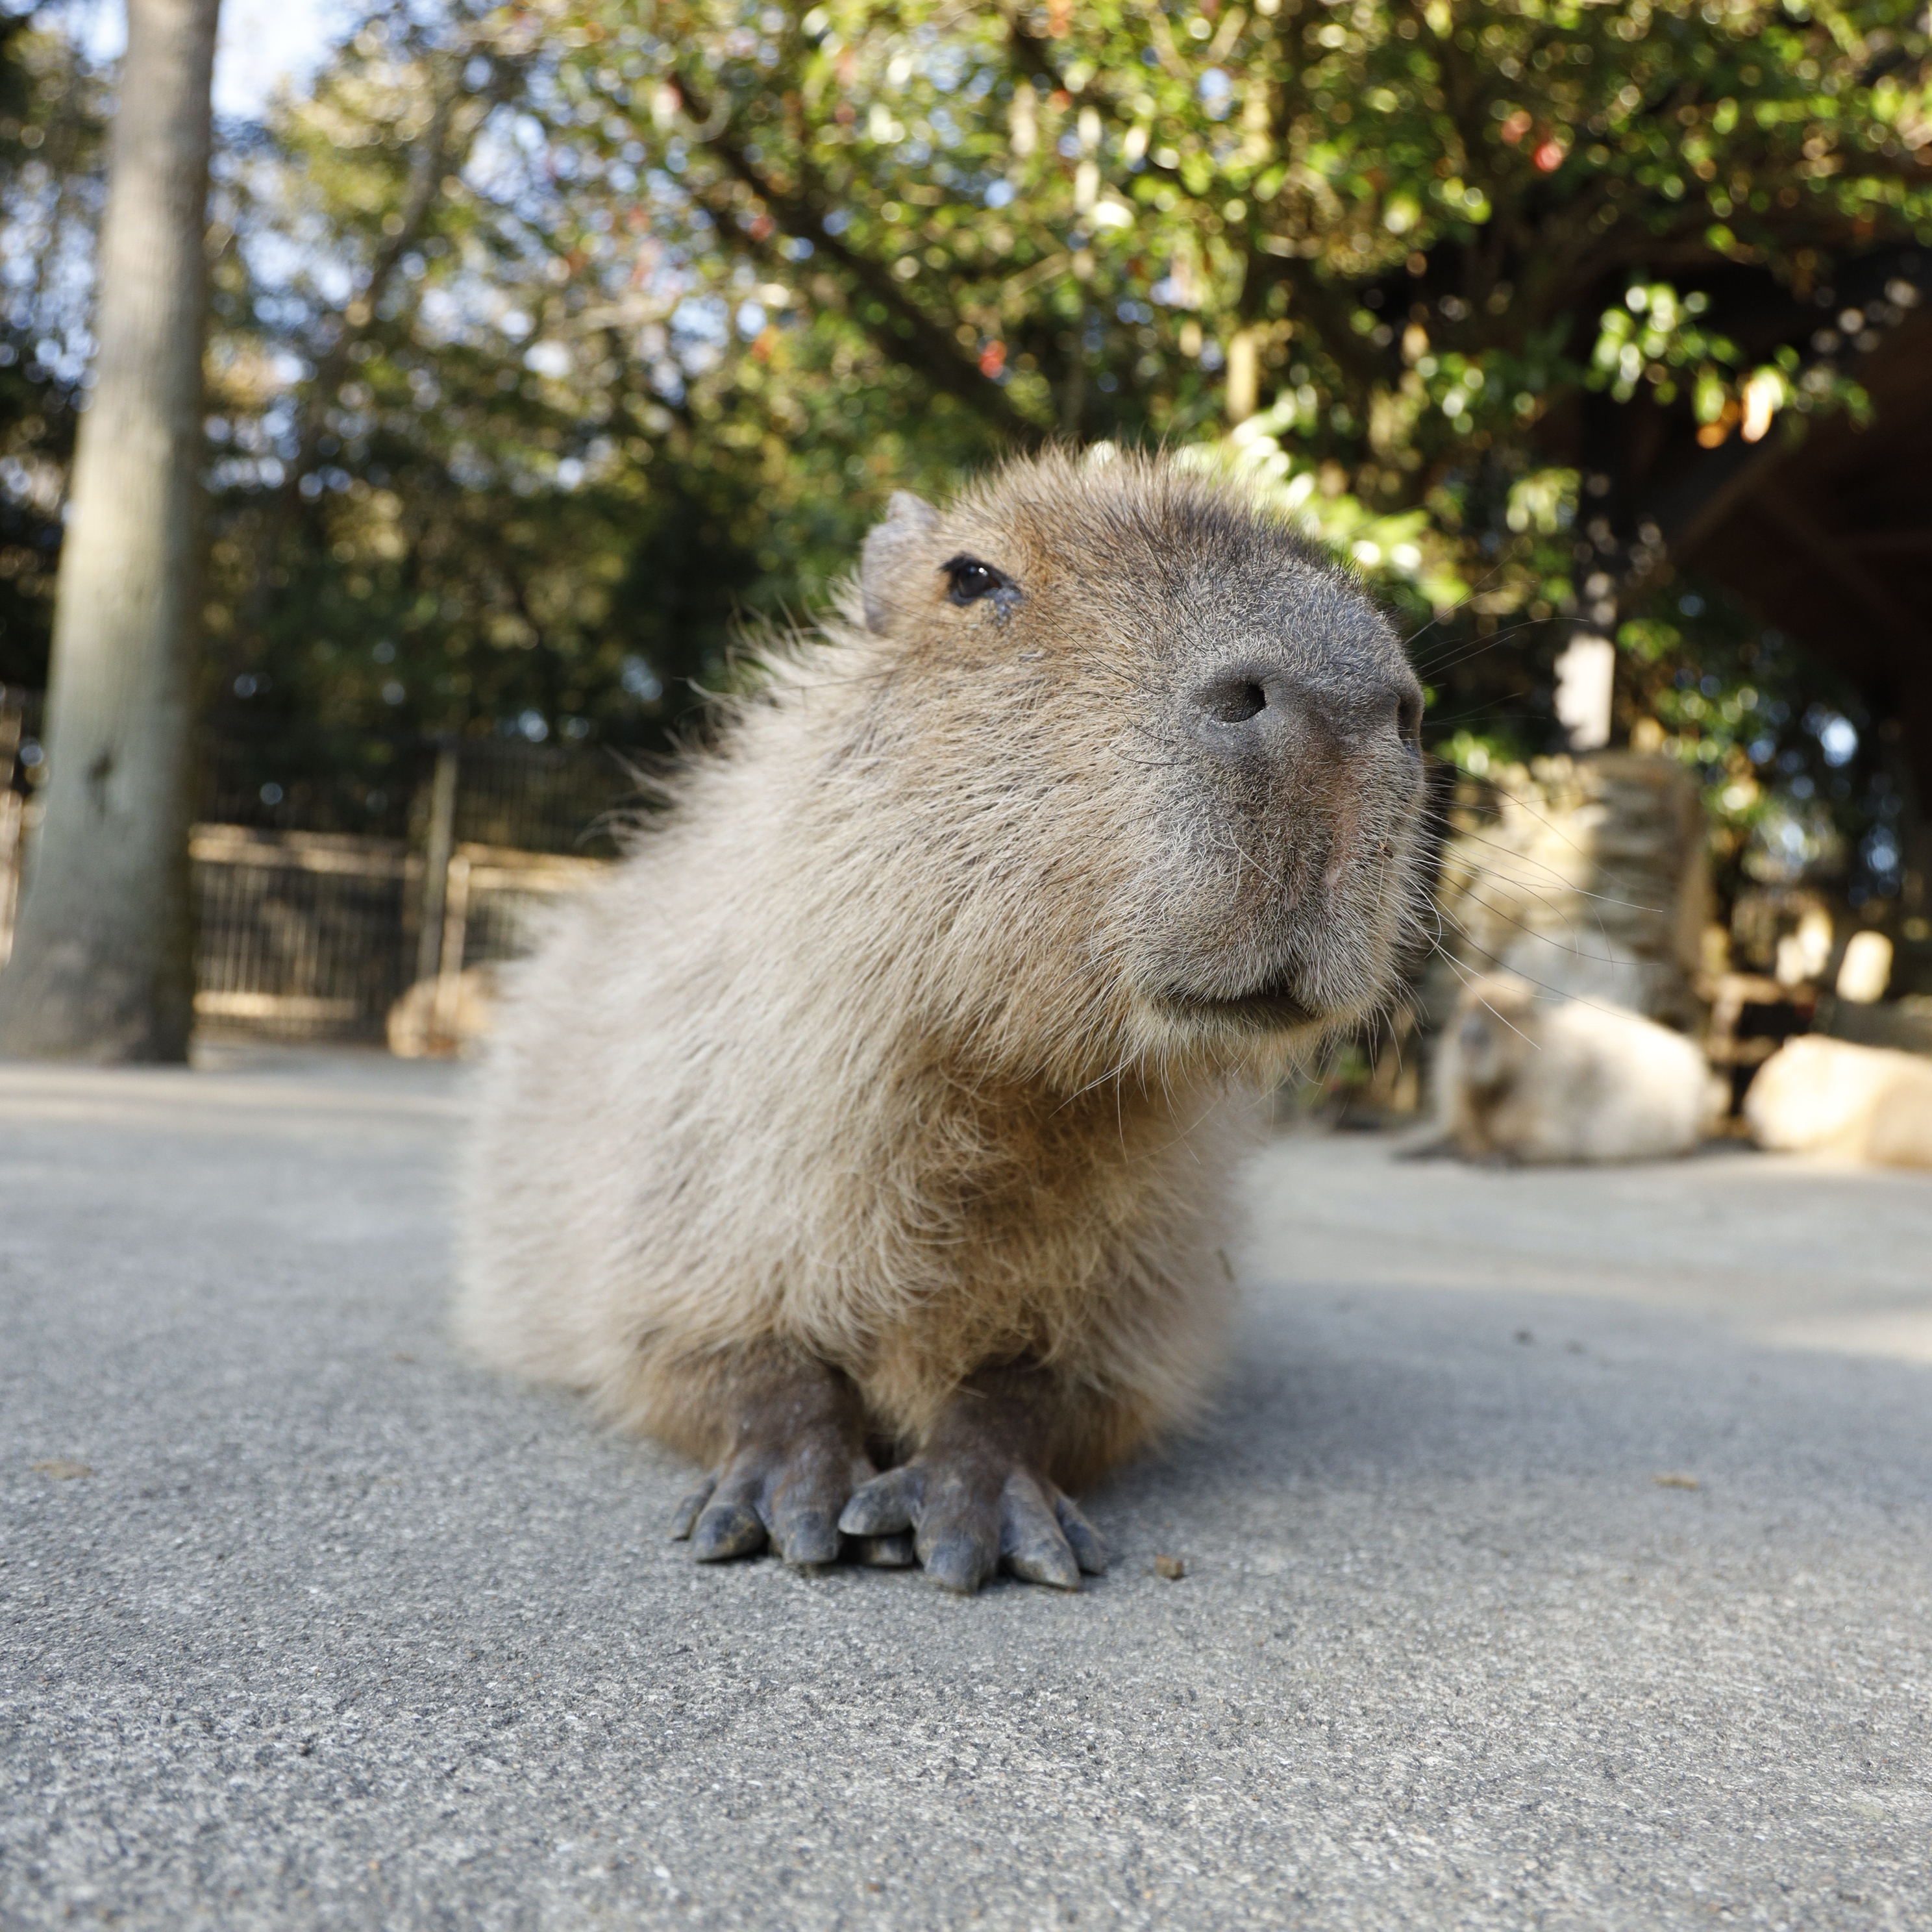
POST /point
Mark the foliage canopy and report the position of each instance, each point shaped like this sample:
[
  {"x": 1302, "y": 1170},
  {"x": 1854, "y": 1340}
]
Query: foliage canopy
[{"x": 550, "y": 338}]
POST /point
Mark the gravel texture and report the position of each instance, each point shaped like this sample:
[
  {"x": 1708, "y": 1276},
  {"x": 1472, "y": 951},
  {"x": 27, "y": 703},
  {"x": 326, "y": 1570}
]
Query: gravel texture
[{"x": 335, "y": 1631}]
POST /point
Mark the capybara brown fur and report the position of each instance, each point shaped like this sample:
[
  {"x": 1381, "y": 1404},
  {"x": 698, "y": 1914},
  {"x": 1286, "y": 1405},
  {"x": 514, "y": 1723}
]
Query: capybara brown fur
[{"x": 879, "y": 1110}]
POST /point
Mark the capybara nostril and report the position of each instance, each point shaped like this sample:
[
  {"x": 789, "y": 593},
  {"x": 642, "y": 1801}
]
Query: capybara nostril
[
  {"x": 1253, "y": 710},
  {"x": 1225, "y": 702},
  {"x": 1373, "y": 711}
]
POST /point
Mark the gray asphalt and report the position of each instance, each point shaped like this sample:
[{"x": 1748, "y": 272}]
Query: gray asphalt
[{"x": 336, "y": 1631}]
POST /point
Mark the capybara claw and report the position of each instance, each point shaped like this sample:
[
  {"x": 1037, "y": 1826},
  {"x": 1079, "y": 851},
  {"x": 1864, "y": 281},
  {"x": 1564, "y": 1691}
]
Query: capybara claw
[
  {"x": 782, "y": 1487},
  {"x": 689, "y": 1509},
  {"x": 970, "y": 1519}
]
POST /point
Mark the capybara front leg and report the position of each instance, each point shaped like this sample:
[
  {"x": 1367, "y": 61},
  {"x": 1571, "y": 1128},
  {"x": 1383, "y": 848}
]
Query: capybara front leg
[
  {"x": 793, "y": 1449},
  {"x": 977, "y": 1496}
]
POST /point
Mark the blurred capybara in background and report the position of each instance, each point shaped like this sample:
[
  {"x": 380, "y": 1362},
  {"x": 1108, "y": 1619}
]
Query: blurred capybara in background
[
  {"x": 1865, "y": 1103},
  {"x": 880, "y": 1107},
  {"x": 436, "y": 1018},
  {"x": 1522, "y": 1076}
]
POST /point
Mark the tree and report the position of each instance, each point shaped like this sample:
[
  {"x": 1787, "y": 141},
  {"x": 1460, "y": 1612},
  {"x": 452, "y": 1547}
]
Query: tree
[
  {"x": 101, "y": 967},
  {"x": 1398, "y": 223},
  {"x": 420, "y": 527},
  {"x": 546, "y": 338},
  {"x": 53, "y": 135},
  {"x": 1452, "y": 267}
]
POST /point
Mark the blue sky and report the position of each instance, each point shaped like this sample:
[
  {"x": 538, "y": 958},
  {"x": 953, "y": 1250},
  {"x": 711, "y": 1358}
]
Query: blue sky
[{"x": 262, "y": 44}]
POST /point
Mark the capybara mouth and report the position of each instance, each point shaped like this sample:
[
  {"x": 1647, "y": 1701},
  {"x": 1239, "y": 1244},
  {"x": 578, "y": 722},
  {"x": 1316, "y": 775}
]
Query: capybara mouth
[{"x": 1273, "y": 1007}]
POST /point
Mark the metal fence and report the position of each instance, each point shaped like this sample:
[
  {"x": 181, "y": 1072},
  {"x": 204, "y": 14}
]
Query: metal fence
[
  {"x": 282, "y": 776},
  {"x": 315, "y": 935},
  {"x": 539, "y": 798},
  {"x": 301, "y": 935}
]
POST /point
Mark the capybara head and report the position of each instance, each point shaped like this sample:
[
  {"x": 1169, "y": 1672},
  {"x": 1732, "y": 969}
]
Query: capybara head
[
  {"x": 1170, "y": 750},
  {"x": 1495, "y": 1018}
]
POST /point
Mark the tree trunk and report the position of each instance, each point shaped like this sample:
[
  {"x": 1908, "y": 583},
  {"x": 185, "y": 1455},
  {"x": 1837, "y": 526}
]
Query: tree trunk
[{"x": 102, "y": 967}]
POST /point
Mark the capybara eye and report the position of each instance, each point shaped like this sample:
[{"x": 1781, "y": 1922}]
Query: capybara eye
[
  {"x": 971, "y": 578},
  {"x": 1409, "y": 719}
]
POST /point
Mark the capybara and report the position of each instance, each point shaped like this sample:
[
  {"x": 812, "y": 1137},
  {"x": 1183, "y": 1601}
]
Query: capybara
[
  {"x": 879, "y": 1111},
  {"x": 1523, "y": 1075}
]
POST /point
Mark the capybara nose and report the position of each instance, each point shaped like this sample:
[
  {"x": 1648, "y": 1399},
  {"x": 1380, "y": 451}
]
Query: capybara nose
[{"x": 1254, "y": 712}]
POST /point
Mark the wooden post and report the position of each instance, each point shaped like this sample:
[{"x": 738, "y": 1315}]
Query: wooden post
[
  {"x": 436, "y": 861},
  {"x": 11, "y": 813},
  {"x": 1244, "y": 375},
  {"x": 455, "y": 924}
]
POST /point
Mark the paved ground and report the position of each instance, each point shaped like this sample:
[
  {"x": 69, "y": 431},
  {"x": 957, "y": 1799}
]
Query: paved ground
[{"x": 336, "y": 1632}]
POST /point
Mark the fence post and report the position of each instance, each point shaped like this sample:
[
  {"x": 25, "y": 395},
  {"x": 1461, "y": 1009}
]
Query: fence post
[
  {"x": 456, "y": 920},
  {"x": 436, "y": 860},
  {"x": 12, "y": 813}
]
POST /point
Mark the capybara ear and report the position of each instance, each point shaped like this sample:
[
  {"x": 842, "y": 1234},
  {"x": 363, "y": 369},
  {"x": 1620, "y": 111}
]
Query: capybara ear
[{"x": 889, "y": 548}]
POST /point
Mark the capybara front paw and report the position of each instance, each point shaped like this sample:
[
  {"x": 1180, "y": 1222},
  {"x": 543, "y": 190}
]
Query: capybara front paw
[
  {"x": 969, "y": 1517},
  {"x": 786, "y": 1494}
]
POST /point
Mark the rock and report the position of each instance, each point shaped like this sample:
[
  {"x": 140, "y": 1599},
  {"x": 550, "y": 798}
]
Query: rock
[
  {"x": 436, "y": 1019},
  {"x": 1863, "y": 1103}
]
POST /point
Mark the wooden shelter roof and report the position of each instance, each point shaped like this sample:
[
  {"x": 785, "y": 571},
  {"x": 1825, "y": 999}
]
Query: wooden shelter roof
[{"x": 1830, "y": 536}]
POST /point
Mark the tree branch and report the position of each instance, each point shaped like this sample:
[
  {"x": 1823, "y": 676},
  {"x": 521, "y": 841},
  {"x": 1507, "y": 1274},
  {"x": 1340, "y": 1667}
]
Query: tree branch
[
  {"x": 935, "y": 352},
  {"x": 427, "y": 166}
]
